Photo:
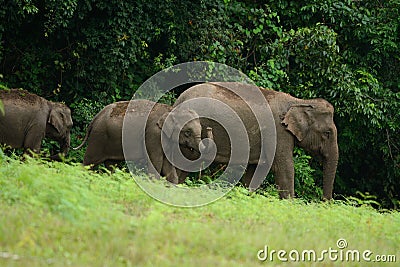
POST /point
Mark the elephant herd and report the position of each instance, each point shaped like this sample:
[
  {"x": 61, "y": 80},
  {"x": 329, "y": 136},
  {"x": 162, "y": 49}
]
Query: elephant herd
[{"x": 188, "y": 125}]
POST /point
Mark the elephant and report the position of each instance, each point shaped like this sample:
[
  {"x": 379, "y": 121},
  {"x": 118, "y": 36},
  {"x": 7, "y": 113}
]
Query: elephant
[
  {"x": 28, "y": 118},
  {"x": 105, "y": 143},
  {"x": 308, "y": 124}
]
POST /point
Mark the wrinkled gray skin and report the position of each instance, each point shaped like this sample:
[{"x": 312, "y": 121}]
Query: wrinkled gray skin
[
  {"x": 29, "y": 118},
  {"x": 306, "y": 123},
  {"x": 104, "y": 135}
]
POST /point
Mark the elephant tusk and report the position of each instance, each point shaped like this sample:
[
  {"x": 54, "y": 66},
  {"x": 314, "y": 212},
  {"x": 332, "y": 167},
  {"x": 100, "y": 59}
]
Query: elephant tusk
[{"x": 210, "y": 133}]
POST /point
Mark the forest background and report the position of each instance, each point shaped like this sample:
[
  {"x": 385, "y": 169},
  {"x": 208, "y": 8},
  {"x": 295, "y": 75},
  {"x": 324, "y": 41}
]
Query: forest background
[{"x": 89, "y": 53}]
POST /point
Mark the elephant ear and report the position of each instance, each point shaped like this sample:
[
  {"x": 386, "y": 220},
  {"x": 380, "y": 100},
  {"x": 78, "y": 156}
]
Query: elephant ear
[
  {"x": 168, "y": 128},
  {"x": 297, "y": 120},
  {"x": 56, "y": 120}
]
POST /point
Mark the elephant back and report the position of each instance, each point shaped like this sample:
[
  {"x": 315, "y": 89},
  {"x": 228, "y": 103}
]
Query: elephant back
[{"x": 20, "y": 95}]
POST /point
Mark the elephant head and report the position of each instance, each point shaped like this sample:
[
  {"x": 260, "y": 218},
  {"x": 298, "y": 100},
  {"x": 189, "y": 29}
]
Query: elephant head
[
  {"x": 311, "y": 122},
  {"x": 186, "y": 123},
  {"x": 59, "y": 124}
]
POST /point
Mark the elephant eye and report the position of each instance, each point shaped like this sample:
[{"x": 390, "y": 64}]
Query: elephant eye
[
  {"x": 327, "y": 134},
  {"x": 188, "y": 133}
]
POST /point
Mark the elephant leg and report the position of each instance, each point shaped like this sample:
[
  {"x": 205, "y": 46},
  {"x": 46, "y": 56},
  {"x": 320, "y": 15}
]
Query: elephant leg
[
  {"x": 246, "y": 179},
  {"x": 181, "y": 175},
  {"x": 169, "y": 172},
  {"x": 283, "y": 169},
  {"x": 33, "y": 141},
  {"x": 283, "y": 166},
  {"x": 155, "y": 163},
  {"x": 92, "y": 160},
  {"x": 253, "y": 177},
  {"x": 111, "y": 164}
]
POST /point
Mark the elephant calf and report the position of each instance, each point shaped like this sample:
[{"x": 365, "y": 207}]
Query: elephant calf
[
  {"x": 28, "y": 118},
  {"x": 104, "y": 135}
]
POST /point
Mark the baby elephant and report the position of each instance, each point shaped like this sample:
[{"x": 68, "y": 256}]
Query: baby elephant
[
  {"x": 28, "y": 118},
  {"x": 143, "y": 119}
]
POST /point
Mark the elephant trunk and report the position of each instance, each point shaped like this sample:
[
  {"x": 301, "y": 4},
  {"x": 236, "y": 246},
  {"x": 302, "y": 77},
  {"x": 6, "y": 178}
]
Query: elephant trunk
[
  {"x": 64, "y": 148},
  {"x": 329, "y": 171},
  {"x": 65, "y": 144},
  {"x": 204, "y": 146}
]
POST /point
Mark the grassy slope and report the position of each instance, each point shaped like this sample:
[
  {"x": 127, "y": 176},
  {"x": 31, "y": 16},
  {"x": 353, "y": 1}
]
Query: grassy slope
[{"x": 57, "y": 214}]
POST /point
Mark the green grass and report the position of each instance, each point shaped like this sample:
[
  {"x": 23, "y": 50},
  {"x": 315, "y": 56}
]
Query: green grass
[{"x": 54, "y": 214}]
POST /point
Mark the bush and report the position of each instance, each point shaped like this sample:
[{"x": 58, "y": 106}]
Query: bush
[{"x": 307, "y": 185}]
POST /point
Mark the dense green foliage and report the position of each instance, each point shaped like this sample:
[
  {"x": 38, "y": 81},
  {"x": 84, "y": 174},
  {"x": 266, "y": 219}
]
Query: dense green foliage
[
  {"x": 93, "y": 52},
  {"x": 55, "y": 214}
]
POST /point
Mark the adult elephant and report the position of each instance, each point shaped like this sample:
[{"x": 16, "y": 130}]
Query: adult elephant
[
  {"x": 143, "y": 119},
  {"x": 28, "y": 118},
  {"x": 306, "y": 123}
]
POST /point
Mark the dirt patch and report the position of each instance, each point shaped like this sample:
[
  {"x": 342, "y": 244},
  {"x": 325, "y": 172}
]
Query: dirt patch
[
  {"x": 119, "y": 109},
  {"x": 268, "y": 93},
  {"x": 232, "y": 87},
  {"x": 19, "y": 94},
  {"x": 161, "y": 108}
]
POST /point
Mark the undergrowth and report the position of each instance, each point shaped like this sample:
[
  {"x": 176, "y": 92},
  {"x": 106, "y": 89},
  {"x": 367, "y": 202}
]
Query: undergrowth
[{"x": 59, "y": 214}]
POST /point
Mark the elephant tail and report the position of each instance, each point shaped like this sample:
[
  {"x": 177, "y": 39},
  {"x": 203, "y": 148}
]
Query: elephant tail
[{"x": 89, "y": 129}]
